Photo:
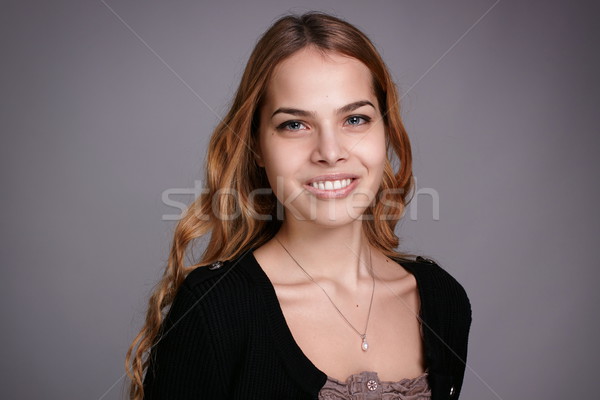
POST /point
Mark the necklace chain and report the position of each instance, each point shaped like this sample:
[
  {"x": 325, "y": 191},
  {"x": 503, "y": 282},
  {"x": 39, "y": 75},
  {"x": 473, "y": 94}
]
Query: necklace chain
[{"x": 363, "y": 336}]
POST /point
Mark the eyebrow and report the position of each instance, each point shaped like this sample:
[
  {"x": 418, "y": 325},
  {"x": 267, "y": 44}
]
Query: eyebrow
[{"x": 342, "y": 110}]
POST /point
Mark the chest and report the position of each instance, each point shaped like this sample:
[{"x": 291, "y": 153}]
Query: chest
[{"x": 333, "y": 344}]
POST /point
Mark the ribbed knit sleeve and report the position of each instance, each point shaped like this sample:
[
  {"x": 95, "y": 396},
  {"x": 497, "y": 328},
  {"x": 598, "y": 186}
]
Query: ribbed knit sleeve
[
  {"x": 454, "y": 318},
  {"x": 447, "y": 310},
  {"x": 225, "y": 338},
  {"x": 183, "y": 363}
]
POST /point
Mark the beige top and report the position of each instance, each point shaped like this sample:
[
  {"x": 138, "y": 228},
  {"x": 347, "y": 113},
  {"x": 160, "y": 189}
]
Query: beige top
[{"x": 367, "y": 386}]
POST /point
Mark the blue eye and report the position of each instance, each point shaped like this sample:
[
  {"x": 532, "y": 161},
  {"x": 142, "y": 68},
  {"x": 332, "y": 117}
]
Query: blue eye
[
  {"x": 357, "y": 120},
  {"x": 292, "y": 126}
]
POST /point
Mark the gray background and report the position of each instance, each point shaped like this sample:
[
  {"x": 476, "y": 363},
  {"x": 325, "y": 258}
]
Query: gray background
[{"x": 501, "y": 113}]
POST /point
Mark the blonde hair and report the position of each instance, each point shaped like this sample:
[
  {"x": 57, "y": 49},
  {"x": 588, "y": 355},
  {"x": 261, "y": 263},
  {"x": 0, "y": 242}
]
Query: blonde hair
[{"x": 231, "y": 167}]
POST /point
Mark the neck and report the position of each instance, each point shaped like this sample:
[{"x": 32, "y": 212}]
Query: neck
[{"x": 339, "y": 254}]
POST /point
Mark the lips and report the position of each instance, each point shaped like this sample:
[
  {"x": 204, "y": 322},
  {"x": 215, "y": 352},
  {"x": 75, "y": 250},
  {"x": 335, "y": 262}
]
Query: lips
[{"x": 332, "y": 185}]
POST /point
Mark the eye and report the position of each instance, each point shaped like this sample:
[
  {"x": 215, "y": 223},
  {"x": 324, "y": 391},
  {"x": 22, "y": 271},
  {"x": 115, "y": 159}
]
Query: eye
[
  {"x": 292, "y": 126},
  {"x": 356, "y": 120}
]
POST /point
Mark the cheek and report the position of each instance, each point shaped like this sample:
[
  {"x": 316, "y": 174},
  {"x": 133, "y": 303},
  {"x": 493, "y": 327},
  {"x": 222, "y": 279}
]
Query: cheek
[
  {"x": 374, "y": 152},
  {"x": 280, "y": 161}
]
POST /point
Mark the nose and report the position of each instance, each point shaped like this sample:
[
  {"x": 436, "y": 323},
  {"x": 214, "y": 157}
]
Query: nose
[{"x": 329, "y": 148}]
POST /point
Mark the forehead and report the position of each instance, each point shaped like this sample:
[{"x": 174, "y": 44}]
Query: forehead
[{"x": 312, "y": 79}]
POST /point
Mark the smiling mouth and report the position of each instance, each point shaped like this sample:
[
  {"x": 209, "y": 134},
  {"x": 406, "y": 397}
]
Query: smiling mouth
[{"x": 331, "y": 185}]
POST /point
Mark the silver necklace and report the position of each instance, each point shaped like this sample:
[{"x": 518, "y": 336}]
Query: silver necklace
[{"x": 364, "y": 344}]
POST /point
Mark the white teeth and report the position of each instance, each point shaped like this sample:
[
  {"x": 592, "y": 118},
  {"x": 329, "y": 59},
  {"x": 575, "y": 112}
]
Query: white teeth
[{"x": 331, "y": 185}]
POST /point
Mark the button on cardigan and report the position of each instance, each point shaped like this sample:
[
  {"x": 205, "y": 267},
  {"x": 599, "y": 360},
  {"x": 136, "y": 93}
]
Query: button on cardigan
[{"x": 225, "y": 337}]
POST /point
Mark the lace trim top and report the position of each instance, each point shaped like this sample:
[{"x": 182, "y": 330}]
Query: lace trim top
[{"x": 367, "y": 386}]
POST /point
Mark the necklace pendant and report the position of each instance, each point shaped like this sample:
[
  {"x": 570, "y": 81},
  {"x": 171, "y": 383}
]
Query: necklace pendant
[{"x": 364, "y": 346}]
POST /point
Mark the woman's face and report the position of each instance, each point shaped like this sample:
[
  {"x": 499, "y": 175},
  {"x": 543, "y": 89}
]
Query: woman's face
[{"x": 322, "y": 138}]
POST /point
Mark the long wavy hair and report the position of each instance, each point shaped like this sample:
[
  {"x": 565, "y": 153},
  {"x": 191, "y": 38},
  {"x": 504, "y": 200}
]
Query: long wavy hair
[{"x": 236, "y": 220}]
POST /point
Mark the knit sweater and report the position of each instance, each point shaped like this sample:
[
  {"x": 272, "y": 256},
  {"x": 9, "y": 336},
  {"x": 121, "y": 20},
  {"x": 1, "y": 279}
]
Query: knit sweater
[{"x": 225, "y": 337}]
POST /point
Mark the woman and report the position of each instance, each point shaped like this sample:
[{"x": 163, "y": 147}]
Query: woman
[{"x": 301, "y": 293}]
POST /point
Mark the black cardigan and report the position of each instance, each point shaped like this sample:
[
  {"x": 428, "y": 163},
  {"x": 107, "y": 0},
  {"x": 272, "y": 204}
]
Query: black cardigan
[{"x": 225, "y": 337}]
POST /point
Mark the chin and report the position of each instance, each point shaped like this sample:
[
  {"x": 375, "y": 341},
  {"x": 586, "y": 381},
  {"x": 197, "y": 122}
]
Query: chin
[{"x": 331, "y": 213}]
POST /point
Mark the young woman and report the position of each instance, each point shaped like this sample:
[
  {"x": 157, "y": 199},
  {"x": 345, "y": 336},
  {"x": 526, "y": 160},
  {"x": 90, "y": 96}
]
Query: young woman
[{"x": 301, "y": 293}]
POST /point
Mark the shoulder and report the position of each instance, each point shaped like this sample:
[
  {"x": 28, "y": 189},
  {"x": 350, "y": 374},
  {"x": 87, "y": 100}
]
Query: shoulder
[
  {"x": 446, "y": 317},
  {"x": 206, "y": 325},
  {"x": 222, "y": 293},
  {"x": 218, "y": 297},
  {"x": 435, "y": 283},
  {"x": 445, "y": 304},
  {"x": 221, "y": 277}
]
